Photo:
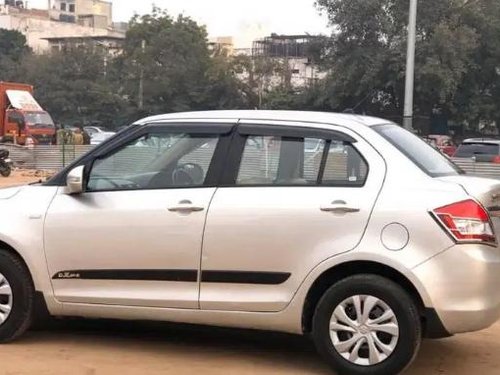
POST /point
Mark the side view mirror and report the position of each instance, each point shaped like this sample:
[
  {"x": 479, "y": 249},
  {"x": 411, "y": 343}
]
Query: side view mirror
[{"x": 74, "y": 181}]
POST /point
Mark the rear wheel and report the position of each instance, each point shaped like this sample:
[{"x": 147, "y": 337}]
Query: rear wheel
[
  {"x": 367, "y": 325},
  {"x": 16, "y": 297}
]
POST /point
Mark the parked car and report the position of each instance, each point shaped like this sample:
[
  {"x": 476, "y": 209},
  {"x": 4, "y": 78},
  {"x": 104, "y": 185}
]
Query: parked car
[
  {"x": 100, "y": 137},
  {"x": 443, "y": 143},
  {"x": 91, "y": 130},
  {"x": 480, "y": 149},
  {"x": 366, "y": 250}
]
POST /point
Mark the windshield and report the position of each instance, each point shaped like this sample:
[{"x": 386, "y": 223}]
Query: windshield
[
  {"x": 34, "y": 119},
  {"x": 427, "y": 158}
]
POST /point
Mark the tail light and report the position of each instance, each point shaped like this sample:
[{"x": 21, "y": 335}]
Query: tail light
[
  {"x": 466, "y": 221},
  {"x": 496, "y": 160}
]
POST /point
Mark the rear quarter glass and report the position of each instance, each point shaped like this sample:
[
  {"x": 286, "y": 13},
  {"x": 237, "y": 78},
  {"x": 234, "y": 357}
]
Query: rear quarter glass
[{"x": 424, "y": 156}]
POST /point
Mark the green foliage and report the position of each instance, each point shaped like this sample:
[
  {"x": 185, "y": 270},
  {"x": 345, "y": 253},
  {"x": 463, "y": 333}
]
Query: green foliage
[
  {"x": 457, "y": 58},
  {"x": 180, "y": 73},
  {"x": 457, "y": 67},
  {"x": 73, "y": 86},
  {"x": 261, "y": 77},
  {"x": 12, "y": 44},
  {"x": 13, "y": 48}
]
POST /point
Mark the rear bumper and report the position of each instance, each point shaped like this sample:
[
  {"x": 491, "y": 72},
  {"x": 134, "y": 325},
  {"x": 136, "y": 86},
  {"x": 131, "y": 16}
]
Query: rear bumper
[{"x": 464, "y": 286}]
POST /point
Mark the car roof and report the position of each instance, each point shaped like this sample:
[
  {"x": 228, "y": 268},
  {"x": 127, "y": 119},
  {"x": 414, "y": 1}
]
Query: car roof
[
  {"x": 482, "y": 140},
  {"x": 304, "y": 117}
]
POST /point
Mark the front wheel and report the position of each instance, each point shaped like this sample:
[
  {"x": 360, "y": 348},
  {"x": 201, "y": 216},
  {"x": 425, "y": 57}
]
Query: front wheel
[
  {"x": 16, "y": 297},
  {"x": 367, "y": 325}
]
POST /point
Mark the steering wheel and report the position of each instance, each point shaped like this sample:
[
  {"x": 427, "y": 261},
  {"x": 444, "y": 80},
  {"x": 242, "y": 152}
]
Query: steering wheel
[{"x": 188, "y": 174}]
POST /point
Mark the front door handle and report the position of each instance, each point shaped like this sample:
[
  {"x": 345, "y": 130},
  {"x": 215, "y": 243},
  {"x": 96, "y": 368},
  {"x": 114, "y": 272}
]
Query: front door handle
[
  {"x": 339, "y": 207},
  {"x": 185, "y": 206}
]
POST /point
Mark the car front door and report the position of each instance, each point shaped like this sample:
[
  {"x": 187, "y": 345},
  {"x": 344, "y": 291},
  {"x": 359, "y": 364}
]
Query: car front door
[
  {"x": 134, "y": 236},
  {"x": 294, "y": 196}
]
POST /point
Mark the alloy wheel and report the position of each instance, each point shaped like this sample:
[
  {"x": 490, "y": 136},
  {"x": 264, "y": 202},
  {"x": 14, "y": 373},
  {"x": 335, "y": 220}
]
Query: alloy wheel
[
  {"x": 364, "y": 330},
  {"x": 6, "y": 299}
]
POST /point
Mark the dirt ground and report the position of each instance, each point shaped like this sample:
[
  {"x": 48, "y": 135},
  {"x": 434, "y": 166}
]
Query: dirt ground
[
  {"x": 103, "y": 347},
  {"x": 97, "y": 347},
  {"x": 20, "y": 177}
]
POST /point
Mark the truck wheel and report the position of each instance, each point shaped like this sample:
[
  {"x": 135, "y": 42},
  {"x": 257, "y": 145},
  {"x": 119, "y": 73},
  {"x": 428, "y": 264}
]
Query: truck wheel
[
  {"x": 367, "y": 325},
  {"x": 16, "y": 297}
]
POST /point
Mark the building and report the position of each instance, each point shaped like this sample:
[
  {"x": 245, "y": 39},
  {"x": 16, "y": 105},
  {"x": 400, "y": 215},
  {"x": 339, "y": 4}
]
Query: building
[
  {"x": 295, "y": 52},
  {"x": 220, "y": 43},
  {"x": 112, "y": 43},
  {"x": 67, "y": 22},
  {"x": 89, "y": 13}
]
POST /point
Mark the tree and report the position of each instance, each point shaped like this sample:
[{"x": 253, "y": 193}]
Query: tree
[
  {"x": 260, "y": 75},
  {"x": 224, "y": 90},
  {"x": 13, "y": 48},
  {"x": 12, "y": 44},
  {"x": 73, "y": 85},
  {"x": 178, "y": 70},
  {"x": 457, "y": 44}
]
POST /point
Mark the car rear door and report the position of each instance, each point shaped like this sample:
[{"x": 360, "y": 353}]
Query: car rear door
[{"x": 283, "y": 208}]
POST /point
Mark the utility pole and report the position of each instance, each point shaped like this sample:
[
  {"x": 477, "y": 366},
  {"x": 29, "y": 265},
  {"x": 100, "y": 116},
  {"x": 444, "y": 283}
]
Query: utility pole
[
  {"x": 410, "y": 67},
  {"x": 141, "y": 78}
]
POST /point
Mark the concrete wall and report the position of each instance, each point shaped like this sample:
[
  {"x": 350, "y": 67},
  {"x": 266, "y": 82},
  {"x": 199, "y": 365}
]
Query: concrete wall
[{"x": 95, "y": 7}]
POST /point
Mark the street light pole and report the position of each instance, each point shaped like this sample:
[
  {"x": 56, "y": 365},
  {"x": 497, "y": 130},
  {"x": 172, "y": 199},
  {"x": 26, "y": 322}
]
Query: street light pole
[
  {"x": 410, "y": 66},
  {"x": 141, "y": 77}
]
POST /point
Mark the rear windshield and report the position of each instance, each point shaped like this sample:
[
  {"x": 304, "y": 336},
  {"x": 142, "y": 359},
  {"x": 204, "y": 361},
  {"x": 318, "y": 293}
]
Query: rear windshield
[
  {"x": 468, "y": 150},
  {"x": 427, "y": 158}
]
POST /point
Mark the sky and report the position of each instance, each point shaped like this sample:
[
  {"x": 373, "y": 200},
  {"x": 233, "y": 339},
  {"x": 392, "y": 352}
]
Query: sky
[{"x": 245, "y": 20}]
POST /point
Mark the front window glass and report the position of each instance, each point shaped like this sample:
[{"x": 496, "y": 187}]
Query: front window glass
[
  {"x": 155, "y": 161},
  {"x": 427, "y": 158}
]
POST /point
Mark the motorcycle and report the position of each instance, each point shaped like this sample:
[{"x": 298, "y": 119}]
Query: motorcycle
[{"x": 6, "y": 164}]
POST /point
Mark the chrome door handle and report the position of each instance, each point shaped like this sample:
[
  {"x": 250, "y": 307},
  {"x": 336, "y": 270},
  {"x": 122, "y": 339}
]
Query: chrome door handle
[
  {"x": 186, "y": 206},
  {"x": 339, "y": 207}
]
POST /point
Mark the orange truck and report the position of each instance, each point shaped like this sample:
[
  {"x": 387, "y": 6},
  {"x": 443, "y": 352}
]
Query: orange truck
[{"x": 22, "y": 120}]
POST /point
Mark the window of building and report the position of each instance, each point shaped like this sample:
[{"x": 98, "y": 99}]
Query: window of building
[
  {"x": 63, "y": 7},
  {"x": 72, "y": 8}
]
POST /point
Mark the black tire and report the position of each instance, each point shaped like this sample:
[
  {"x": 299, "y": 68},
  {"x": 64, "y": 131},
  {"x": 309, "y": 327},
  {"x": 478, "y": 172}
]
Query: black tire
[
  {"x": 23, "y": 296},
  {"x": 5, "y": 172},
  {"x": 408, "y": 319}
]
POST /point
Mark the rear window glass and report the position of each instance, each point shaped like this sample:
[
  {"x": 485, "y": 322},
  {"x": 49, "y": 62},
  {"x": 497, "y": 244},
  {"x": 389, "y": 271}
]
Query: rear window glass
[
  {"x": 427, "y": 158},
  {"x": 468, "y": 150}
]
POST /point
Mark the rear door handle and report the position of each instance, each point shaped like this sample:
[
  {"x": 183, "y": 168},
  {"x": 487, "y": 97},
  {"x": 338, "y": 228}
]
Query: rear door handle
[
  {"x": 185, "y": 206},
  {"x": 339, "y": 207}
]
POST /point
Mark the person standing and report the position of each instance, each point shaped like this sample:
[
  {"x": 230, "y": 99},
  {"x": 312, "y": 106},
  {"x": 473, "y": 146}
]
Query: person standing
[
  {"x": 86, "y": 136},
  {"x": 61, "y": 135},
  {"x": 78, "y": 137}
]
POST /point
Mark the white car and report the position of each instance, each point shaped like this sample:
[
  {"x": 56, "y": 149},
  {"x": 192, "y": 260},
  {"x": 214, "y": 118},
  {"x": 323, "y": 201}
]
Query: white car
[
  {"x": 100, "y": 137},
  {"x": 91, "y": 130},
  {"x": 221, "y": 218}
]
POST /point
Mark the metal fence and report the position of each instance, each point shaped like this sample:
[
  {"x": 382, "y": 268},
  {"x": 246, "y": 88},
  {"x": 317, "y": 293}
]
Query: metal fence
[
  {"x": 54, "y": 158},
  {"x": 50, "y": 158},
  {"x": 473, "y": 168}
]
